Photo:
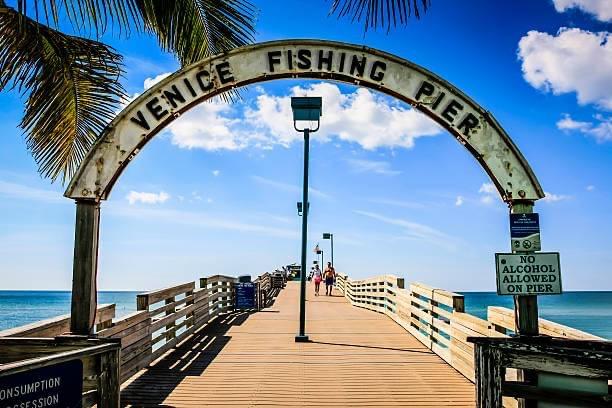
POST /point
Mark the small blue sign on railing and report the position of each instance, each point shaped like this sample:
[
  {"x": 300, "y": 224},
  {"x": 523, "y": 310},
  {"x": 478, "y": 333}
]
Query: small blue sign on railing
[
  {"x": 245, "y": 295},
  {"x": 55, "y": 386}
]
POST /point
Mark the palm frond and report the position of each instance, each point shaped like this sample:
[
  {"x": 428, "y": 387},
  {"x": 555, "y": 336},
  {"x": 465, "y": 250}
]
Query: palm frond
[
  {"x": 380, "y": 13},
  {"x": 84, "y": 15},
  {"x": 71, "y": 85},
  {"x": 196, "y": 29}
]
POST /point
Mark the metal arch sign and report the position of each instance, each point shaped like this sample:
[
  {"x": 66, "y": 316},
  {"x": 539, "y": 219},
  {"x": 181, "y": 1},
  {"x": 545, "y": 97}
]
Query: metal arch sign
[{"x": 146, "y": 116}]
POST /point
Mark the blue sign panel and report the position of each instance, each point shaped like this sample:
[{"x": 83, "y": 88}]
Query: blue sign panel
[
  {"x": 523, "y": 225},
  {"x": 245, "y": 295},
  {"x": 56, "y": 386},
  {"x": 525, "y": 232}
]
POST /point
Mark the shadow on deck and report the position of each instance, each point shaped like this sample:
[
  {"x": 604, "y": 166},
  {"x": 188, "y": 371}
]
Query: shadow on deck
[
  {"x": 247, "y": 360},
  {"x": 190, "y": 358}
]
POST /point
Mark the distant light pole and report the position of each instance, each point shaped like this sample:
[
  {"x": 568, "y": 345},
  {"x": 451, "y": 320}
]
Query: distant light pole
[
  {"x": 327, "y": 235},
  {"x": 305, "y": 109},
  {"x": 318, "y": 251}
]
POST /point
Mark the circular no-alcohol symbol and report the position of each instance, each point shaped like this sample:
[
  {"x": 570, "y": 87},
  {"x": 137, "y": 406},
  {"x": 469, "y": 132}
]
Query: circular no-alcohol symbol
[{"x": 526, "y": 244}]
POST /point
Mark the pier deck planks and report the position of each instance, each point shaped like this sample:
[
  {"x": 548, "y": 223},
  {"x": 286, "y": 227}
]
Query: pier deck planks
[{"x": 357, "y": 358}]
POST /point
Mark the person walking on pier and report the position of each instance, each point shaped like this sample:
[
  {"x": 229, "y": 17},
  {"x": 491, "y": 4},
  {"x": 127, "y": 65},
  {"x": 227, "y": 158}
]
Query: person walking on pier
[
  {"x": 317, "y": 276},
  {"x": 330, "y": 275}
]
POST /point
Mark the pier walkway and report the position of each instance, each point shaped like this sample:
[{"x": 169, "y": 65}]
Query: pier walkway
[{"x": 356, "y": 357}]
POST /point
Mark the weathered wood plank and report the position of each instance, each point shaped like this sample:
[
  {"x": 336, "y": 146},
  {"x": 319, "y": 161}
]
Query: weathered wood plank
[
  {"x": 85, "y": 267},
  {"x": 149, "y": 298},
  {"x": 55, "y": 326}
]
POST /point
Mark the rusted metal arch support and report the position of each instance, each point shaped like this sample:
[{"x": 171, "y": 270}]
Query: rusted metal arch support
[{"x": 151, "y": 112}]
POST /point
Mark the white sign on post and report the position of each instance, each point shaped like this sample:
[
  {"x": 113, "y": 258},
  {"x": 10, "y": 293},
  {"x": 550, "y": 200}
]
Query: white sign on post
[{"x": 528, "y": 274}]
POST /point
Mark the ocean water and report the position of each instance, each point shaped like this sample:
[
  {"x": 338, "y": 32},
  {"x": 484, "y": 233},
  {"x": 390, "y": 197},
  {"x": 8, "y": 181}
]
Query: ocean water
[
  {"x": 22, "y": 307},
  {"x": 588, "y": 311}
]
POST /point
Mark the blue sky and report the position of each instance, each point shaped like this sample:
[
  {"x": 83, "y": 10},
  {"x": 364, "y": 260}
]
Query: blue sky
[{"x": 216, "y": 192}]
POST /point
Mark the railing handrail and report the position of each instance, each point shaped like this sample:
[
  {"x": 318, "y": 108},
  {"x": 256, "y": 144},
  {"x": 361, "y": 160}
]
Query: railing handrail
[
  {"x": 50, "y": 359},
  {"x": 58, "y": 325},
  {"x": 149, "y": 298},
  {"x": 504, "y": 318}
]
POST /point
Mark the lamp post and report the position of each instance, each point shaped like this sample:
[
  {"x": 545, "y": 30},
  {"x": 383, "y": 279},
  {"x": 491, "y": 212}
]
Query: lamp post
[
  {"x": 327, "y": 235},
  {"x": 305, "y": 109},
  {"x": 317, "y": 250}
]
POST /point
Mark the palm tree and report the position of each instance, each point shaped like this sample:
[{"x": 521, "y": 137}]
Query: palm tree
[{"x": 72, "y": 82}]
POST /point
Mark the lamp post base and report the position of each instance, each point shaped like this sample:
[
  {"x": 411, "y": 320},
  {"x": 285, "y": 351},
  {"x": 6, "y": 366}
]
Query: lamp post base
[{"x": 301, "y": 339}]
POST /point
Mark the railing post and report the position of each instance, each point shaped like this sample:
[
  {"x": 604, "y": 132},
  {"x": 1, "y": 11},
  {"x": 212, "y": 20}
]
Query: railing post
[
  {"x": 489, "y": 375},
  {"x": 142, "y": 302},
  {"x": 170, "y": 328},
  {"x": 459, "y": 304},
  {"x": 108, "y": 381},
  {"x": 85, "y": 267}
]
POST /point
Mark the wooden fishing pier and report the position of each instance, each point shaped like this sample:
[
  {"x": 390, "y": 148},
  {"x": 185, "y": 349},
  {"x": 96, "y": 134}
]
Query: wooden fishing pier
[
  {"x": 374, "y": 343},
  {"x": 377, "y": 342}
]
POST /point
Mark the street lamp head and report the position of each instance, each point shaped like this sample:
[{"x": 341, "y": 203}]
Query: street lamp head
[
  {"x": 327, "y": 235},
  {"x": 306, "y": 108}
]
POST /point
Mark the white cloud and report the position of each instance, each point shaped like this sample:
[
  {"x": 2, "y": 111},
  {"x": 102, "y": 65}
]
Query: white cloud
[
  {"x": 290, "y": 188},
  {"x": 552, "y": 198},
  {"x": 488, "y": 193},
  {"x": 487, "y": 188},
  {"x": 459, "y": 201},
  {"x": 363, "y": 117},
  {"x": 147, "y": 198},
  {"x": 415, "y": 230},
  {"x": 216, "y": 172},
  {"x": 600, "y": 129},
  {"x": 149, "y": 82},
  {"x": 590, "y": 187},
  {"x": 601, "y": 9},
  {"x": 574, "y": 60},
  {"x": 207, "y": 127},
  {"x": 372, "y": 166}
]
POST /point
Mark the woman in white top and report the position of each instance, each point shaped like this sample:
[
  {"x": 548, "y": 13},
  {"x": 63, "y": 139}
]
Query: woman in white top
[{"x": 318, "y": 277}]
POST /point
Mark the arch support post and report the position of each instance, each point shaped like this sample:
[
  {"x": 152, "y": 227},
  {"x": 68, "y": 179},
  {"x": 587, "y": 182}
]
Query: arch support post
[
  {"x": 525, "y": 306},
  {"x": 85, "y": 267},
  {"x": 526, "y": 319}
]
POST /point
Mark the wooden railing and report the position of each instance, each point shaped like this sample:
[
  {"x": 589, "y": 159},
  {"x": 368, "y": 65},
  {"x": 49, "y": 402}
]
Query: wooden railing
[
  {"x": 97, "y": 359},
  {"x": 264, "y": 290},
  {"x": 437, "y": 317},
  {"x": 56, "y": 326},
  {"x": 164, "y": 318},
  {"x": 569, "y": 373},
  {"x": 503, "y": 320}
]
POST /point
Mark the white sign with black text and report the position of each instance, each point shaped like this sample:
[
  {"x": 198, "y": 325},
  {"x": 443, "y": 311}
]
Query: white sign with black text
[{"x": 528, "y": 274}]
